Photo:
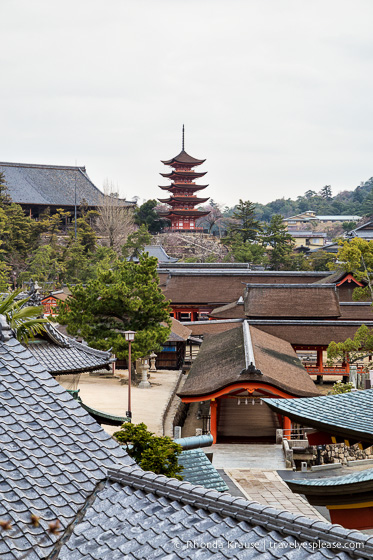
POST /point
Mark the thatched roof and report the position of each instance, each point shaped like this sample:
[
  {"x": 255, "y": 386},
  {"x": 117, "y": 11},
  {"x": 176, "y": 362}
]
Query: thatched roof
[
  {"x": 310, "y": 333},
  {"x": 234, "y": 310},
  {"x": 205, "y": 284},
  {"x": 179, "y": 332},
  {"x": 223, "y": 357},
  {"x": 291, "y": 300},
  {"x": 209, "y": 289}
]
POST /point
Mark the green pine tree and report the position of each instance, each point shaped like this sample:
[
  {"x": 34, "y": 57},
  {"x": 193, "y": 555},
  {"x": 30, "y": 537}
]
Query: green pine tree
[
  {"x": 152, "y": 453},
  {"x": 246, "y": 226},
  {"x": 124, "y": 297},
  {"x": 5, "y": 197},
  {"x": 281, "y": 242}
]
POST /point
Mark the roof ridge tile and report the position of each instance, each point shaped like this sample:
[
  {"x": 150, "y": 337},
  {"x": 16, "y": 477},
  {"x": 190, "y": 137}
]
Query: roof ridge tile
[{"x": 251, "y": 512}]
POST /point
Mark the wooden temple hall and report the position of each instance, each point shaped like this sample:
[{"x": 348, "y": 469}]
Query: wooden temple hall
[
  {"x": 269, "y": 344},
  {"x": 182, "y": 200},
  {"x": 306, "y": 311},
  {"x": 233, "y": 371}
]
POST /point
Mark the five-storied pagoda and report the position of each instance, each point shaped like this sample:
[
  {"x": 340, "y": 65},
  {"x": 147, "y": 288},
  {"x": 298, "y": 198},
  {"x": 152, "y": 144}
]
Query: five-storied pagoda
[{"x": 183, "y": 214}]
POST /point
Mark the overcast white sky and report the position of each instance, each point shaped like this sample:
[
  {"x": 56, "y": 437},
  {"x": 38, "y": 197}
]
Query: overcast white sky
[{"x": 275, "y": 94}]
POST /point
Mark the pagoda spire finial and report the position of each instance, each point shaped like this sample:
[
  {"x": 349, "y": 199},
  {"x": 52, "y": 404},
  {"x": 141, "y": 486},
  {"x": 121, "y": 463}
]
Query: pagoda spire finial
[{"x": 182, "y": 143}]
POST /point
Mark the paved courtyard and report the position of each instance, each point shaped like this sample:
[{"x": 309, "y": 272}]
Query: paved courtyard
[{"x": 109, "y": 395}]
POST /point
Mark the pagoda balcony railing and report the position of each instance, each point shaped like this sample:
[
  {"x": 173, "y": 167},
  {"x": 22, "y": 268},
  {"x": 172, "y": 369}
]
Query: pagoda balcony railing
[{"x": 184, "y": 230}]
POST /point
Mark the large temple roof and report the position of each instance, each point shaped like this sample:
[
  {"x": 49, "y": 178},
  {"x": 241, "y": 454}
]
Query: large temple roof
[
  {"x": 183, "y": 157},
  {"x": 222, "y": 361},
  {"x": 52, "y": 185},
  {"x": 49, "y": 184}
]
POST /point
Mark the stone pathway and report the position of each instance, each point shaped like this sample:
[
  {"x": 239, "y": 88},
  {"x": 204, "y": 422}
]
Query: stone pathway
[
  {"x": 262, "y": 456},
  {"x": 268, "y": 488}
]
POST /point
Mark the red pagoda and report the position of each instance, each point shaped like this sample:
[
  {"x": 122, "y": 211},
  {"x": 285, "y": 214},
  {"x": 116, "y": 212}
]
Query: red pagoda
[{"x": 183, "y": 214}]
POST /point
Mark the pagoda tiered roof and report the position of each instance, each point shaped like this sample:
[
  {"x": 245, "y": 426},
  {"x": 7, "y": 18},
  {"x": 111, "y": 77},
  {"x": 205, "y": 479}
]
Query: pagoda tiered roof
[
  {"x": 191, "y": 212},
  {"x": 190, "y": 186},
  {"x": 173, "y": 175},
  {"x": 184, "y": 158},
  {"x": 183, "y": 199}
]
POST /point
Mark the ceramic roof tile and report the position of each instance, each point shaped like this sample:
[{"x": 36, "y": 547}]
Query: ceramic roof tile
[
  {"x": 199, "y": 470},
  {"x": 44, "y": 469},
  {"x": 49, "y": 185},
  {"x": 152, "y": 524},
  {"x": 345, "y": 414},
  {"x": 60, "y": 354}
]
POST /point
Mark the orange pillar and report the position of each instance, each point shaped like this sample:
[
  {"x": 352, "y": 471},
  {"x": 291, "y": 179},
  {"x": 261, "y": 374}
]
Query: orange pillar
[
  {"x": 214, "y": 419},
  {"x": 286, "y": 426},
  {"x": 319, "y": 359}
]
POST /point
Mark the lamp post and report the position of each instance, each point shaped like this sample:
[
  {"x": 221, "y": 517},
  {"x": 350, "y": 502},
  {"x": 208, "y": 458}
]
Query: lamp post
[{"x": 130, "y": 337}]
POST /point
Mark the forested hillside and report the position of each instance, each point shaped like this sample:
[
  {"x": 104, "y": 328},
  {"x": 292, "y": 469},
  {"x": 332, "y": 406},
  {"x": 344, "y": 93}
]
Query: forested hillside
[{"x": 357, "y": 202}]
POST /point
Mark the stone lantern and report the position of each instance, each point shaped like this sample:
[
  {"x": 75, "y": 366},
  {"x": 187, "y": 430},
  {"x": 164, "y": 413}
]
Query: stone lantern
[
  {"x": 152, "y": 362},
  {"x": 144, "y": 383}
]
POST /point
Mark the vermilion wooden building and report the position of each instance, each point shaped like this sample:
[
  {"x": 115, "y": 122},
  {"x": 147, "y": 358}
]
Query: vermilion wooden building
[
  {"x": 233, "y": 371},
  {"x": 182, "y": 200},
  {"x": 336, "y": 418}
]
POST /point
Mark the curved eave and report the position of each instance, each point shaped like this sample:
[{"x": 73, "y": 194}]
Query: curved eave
[
  {"x": 335, "y": 494},
  {"x": 184, "y": 187},
  {"x": 183, "y": 174},
  {"x": 183, "y": 200},
  {"x": 346, "y": 433},
  {"x": 73, "y": 371},
  {"x": 184, "y": 159},
  {"x": 191, "y": 213},
  {"x": 253, "y": 380},
  {"x": 331, "y": 486},
  {"x": 103, "y": 417}
]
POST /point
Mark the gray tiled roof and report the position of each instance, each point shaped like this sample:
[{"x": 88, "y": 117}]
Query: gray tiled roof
[
  {"x": 348, "y": 415},
  {"x": 60, "y": 354},
  {"x": 353, "y": 478},
  {"x": 49, "y": 184},
  {"x": 144, "y": 515},
  {"x": 54, "y": 458},
  {"x": 52, "y": 453},
  {"x": 159, "y": 253},
  {"x": 199, "y": 470}
]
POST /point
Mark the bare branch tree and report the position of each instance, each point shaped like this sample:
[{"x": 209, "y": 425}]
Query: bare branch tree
[
  {"x": 115, "y": 220},
  {"x": 214, "y": 218}
]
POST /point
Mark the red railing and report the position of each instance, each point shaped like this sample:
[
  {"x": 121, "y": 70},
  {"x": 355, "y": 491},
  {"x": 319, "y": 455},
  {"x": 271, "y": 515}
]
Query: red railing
[
  {"x": 184, "y": 230},
  {"x": 339, "y": 370}
]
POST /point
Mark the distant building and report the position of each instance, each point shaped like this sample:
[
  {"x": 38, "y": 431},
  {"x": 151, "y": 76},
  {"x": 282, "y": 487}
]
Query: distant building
[
  {"x": 364, "y": 232},
  {"x": 308, "y": 239},
  {"x": 38, "y": 187},
  {"x": 299, "y": 221},
  {"x": 158, "y": 252},
  {"x": 51, "y": 302}
]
